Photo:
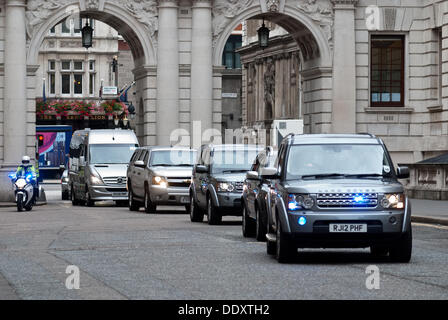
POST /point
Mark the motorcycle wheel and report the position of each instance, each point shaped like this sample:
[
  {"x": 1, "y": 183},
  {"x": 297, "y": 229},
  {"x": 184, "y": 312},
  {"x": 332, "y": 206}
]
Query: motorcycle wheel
[
  {"x": 20, "y": 202},
  {"x": 29, "y": 207}
]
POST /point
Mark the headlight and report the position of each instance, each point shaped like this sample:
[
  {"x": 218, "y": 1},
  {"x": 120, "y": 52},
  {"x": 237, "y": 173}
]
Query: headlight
[
  {"x": 95, "y": 180},
  {"x": 393, "y": 201},
  {"x": 299, "y": 202},
  {"x": 159, "y": 181},
  {"x": 225, "y": 187},
  {"x": 21, "y": 183}
]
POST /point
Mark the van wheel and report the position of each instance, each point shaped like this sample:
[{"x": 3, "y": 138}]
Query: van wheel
[
  {"x": 132, "y": 204},
  {"x": 402, "y": 250},
  {"x": 89, "y": 201},
  {"x": 213, "y": 216},
  {"x": 75, "y": 201},
  {"x": 196, "y": 215},
  {"x": 149, "y": 206},
  {"x": 260, "y": 227},
  {"x": 285, "y": 250},
  {"x": 248, "y": 224}
]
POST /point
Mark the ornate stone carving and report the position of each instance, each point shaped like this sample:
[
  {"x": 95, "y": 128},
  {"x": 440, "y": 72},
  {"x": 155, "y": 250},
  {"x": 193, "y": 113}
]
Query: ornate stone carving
[
  {"x": 273, "y": 5},
  {"x": 269, "y": 89},
  {"x": 92, "y": 4},
  {"x": 223, "y": 11},
  {"x": 38, "y": 11},
  {"x": 321, "y": 12},
  {"x": 145, "y": 11}
]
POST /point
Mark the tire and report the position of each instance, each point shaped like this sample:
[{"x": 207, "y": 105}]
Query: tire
[
  {"x": 196, "y": 215},
  {"x": 132, "y": 204},
  {"x": 271, "y": 248},
  {"x": 89, "y": 202},
  {"x": 75, "y": 202},
  {"x": 260, "y": 227},
  {"x": 149, "y": 206},
  {"x": 213, "y": 216},
  {"x": 65, "y": 195},
  {"x": 29, "y": 207},
  {"x": 20, "y": 202},
  {"x": 248, "y": 225},
  {"x": 285, "y": 250},
  {"x": 401, "y": 251}
]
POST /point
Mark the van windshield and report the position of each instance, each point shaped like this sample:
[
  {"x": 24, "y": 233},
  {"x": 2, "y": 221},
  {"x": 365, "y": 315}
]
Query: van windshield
[
  {"x": 111, "y": 153},
  {"x": 333, "y": 160}
]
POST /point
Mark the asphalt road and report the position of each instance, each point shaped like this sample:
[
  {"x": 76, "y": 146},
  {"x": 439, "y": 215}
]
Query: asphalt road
[{"x": 126, "y": 255}]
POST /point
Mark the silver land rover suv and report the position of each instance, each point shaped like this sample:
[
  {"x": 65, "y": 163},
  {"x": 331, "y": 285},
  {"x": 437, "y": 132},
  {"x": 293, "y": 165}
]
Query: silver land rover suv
[
  {"x": 160, "y": 176},
  {"x": 337, "y": 191}
]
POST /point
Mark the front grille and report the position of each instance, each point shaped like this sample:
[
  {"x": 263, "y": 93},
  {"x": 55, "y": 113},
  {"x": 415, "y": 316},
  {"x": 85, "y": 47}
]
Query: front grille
[
  {"x": 239, "y": 186},
  {"x": 347, "y": 200},
  {"x": 115, "y": 180},
  {"x": 179, "y": 182}
]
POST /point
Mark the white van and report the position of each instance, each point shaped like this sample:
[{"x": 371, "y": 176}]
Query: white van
[{"x": 98, "y": 164}]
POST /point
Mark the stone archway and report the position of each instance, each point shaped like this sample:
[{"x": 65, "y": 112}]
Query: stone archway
[
  {"x": 135, "y": 21},
  {"x": 311, "y": 26}
]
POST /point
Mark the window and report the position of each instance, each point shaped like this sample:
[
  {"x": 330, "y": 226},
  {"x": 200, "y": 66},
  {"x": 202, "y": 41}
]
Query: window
[
  {"x": 52, "y": 83},
  {"x": 231, "y": 59},
  {"x": 92, "y": 65},
  {"x": 51, "y": 65},
  {"x": 77, "y": 83},
  {"x": 78, "y": 65},
  {"x": 387, "y": 71},
  {"x": 65, "y": 81},
  {"x": 66, "y": 26},
  {"x": 66, "y": 65},
  {"x": 440, "y": 64},
  {"x": 77, "y": 26},
  {"x": 92, "y": 84},
  {"x": 53, "y": 30}
]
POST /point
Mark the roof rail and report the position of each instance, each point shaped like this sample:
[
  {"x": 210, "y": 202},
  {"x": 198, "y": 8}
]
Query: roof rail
[{"x": 367, "y": 134}]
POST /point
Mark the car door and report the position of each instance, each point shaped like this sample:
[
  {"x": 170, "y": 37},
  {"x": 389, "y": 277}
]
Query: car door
[
  {"x": 264, "y": 193},
  {"x": 204, "y": 178},
  {"x": 197, "y": 176},
  {"x": 252, "y": 186},
  {"x": 131, "y": 171},
  {"x": 274, "y": 185},
  {"x": 139, "y": 176}
]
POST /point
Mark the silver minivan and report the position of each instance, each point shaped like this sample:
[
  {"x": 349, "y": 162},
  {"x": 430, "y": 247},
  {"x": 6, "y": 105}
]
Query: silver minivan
[{"x": 98, "y": 163}]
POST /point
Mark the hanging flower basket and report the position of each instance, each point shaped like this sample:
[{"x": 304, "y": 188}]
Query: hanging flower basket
[
  {"x": 114, "y": 108},
  {"x": 64, "y": 108}
]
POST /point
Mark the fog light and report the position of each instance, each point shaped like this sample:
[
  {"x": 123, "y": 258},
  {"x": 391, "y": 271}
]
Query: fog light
[
  {"x": 302, "y": 221},
  {"x": 392, "y": 220}
]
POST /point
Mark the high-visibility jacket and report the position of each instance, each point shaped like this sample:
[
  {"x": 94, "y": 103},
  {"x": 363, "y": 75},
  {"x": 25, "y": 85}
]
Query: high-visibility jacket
[{"x": 23, "y": 170}]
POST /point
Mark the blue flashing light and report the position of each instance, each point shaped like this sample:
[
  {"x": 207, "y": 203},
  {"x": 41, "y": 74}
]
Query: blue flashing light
[
  {"x": 359, "y": 199},
  {"x": 12, "y": 175},
  {"x": 302, "y": 221}
]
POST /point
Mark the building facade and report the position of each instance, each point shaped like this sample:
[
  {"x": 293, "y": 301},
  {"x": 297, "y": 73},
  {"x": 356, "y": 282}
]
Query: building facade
[{"x": 365, "y": 66}]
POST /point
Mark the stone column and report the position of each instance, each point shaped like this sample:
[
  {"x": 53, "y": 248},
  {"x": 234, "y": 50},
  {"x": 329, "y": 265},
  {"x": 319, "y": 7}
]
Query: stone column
[
  {"x": 201, "y": 65},
  {"x": 344, "y": 67},
  {"x": 167, "y": 71},
  {"x": 15, "y": 105}
]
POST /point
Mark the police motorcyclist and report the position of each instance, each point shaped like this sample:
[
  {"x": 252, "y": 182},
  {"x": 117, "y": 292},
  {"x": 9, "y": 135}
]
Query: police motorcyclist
[{"x": 27, "y": 168}]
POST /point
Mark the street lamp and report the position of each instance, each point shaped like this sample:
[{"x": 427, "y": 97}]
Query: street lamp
[
  {"x": 263, "y": 36},
  {"x": 131, "y": 110},
  {"x": 87, "y": 35}
]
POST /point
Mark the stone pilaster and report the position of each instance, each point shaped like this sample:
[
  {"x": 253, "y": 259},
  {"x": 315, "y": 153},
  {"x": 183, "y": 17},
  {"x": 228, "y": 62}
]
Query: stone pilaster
[
  {"x": 167, "y": 71},
  {"x": 202, "y": 65},
  {"x": 15, "y": 93},
  {"x": 344, "y": 67}
]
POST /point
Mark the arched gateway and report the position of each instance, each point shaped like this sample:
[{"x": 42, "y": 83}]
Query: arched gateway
[{"x": 177, "y": 47}]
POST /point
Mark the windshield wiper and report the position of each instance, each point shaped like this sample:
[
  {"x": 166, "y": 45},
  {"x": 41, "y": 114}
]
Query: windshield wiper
[
  {"x": 234, "y": 171},
  {"x": 324, "y": 175}
]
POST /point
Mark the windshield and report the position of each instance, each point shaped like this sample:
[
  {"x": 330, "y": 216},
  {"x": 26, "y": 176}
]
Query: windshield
[
  {"x": 111, "y": 153},
  {"x": 173, "y": 158},
  {"x": 339, "y": 159},
  {"x": 233, "y": 160}
]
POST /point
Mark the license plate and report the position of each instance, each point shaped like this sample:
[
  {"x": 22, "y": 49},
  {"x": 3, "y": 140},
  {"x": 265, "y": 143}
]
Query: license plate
[
  {"x": 120, "y": 194},
  {"x": 184, "y": 200},
  {"x": 348, "y": 228}
]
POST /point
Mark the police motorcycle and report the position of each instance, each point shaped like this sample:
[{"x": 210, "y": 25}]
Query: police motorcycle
[{"x": 23, "y": 190}]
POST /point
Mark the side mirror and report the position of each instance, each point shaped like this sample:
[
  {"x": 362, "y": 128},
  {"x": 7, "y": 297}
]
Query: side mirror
[
  {"x": 139, "y": 163},
  {"x": 269, "y": 173},
  {"x": 403, "y": 173},
  {"x": 201, "y": 169},
  {"x": 252, "y": 175}
]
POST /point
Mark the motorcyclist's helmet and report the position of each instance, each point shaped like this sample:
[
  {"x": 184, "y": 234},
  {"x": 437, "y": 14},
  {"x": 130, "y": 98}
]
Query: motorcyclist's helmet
[{"x": 26, "y": 160}]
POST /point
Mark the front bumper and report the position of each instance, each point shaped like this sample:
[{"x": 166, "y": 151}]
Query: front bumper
[
  {"x": 229, "y": 203},
  {"x": 108, "y": 193},
  {"x": 176, "y": 196},
  {"x": 382, "y": 227}
]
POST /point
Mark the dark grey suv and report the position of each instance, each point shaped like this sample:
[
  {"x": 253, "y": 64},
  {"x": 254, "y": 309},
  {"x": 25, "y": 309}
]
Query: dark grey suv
[
  {"x": 217, "y": 182},
  {"x": 338, "y": 191}
]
